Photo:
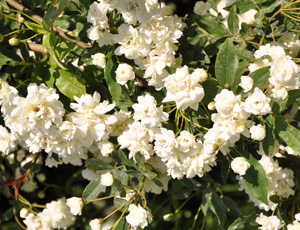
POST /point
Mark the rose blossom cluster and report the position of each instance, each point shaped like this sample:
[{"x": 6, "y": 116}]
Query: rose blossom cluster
[{"x": 148, "y": 36}]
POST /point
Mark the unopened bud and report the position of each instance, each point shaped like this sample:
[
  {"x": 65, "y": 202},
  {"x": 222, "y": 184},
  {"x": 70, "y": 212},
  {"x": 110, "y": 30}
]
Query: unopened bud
[
  {"x": 168, "y": 217},
  {"x": 14, "y": 41},
  {"x": 41, "y": 194},
  {"x": 271, "y": 86},
  {"x": 227, "y": 86},
  {"x": 1, "y": 37},
  {"x": 211, "y": 105},
  {"x": 21, "y": 19}
]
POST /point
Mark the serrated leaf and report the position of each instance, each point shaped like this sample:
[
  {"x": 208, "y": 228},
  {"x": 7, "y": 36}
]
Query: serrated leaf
[
  {"x": 211, "y": 25},
  {"x": 93, "y": 189},
  {"x": 68, "y": 84},
  {"x": 227, "y": 63},
  {"x": 260, "y": 77},
  {"x": 255, "y": 178},
  {"x": 288, "y": 133},
  {"x": 233, "y": 21},
  {"x": 126, "y": 161},
  {"x": 97, "y": 164}
]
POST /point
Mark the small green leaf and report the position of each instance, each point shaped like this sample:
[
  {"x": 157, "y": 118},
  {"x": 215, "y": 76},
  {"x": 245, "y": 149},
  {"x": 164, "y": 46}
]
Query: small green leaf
[
  {"x": 243, "y": 223},
  {"x": 93, "y": 189},
  {"x": 211, "y": 25},
  {"x": 97, "y": 164},
  {"x": 226, "y": 64},
  {"x": 255, "y": 178},
  {"x": 233, "y": 21},
  {"x": 244, "y": 5},
  {"x": 288, "y": 133},
  {"x": 53, "y": 12},
  {"x": 121, "y": 176},
  {"x": 126, "y": 161},
  {"x": 260, "y": 77},
  {"x": 259, "y": 17},
  {"x": 68, "y": 84},
  {"x": 35, "y": 27},
  {"x": 270, "y": 8},
  {"x": 140, "y": 159},
  {"x": 293, "y": 96},
  {"x": 150, "y": 175}
]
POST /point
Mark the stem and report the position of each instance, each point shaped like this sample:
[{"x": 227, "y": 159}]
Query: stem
[
  {"x": 16, "y": 31},
  {"x": 24, "y": 40},
  {"x": 102, "y": 198},
  {"x": 200, "y": 126},
  {"x": 196, "y": 217},
  {"x": 17, "y": 11}
]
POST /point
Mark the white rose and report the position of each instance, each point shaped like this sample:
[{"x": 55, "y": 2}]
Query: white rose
[
  {"x": 99, "y": 59},
  {"x": 201, "y": 8},
  {"x": 95, "y": 224},
  {"x": 280, "y": 93},
  {"x": 24, "y": 212},
  {"x": 107, "y": 179},
  {"x": 137, "y": 216},
  {"x": 186, "y": 141},
  {"x": 94, "y": 33},
  {"x": 258, "y": 132},
  {"x": 124, "y": 73},
  {"x": 246, "y": 83},
  {"x": 247, "y": 17},
  {"x": 226, "y": 101},
  {"x": 257, "y": 103},
  {"x": 199, "y": 75},
  {"x": 106, "y": 147},
  {"x": 75, "y": 204},
  {"x": 269, "y": 222},
  {"x": 292, "y": 42},
  {"x": 240, "y": 165}
]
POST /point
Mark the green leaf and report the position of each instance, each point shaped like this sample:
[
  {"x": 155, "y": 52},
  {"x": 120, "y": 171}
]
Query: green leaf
[
  {"x": 255, "y": 178},
  {"x": 268, "y": 142},
  {"x": 121, "y": 175},
  {"x": 233, "y": 21},
  {"x": 122, "y": 225},
  {"x": 35, "y": 27},
  {"x": 288, "y": 133},
  {"x": 53, "y": 12},
  {"x": 211, "y": 25},
  {"x": 244, "y": 30},
  {"x": 259, "y": 17},
  {"x": 8, "y": 55},
  {"x": 93, "y": 189},
  {"x": 4, "y": 60},
  {"x": 119, "y": 95},
  {"x": 97, "y": 164},
  {"x": 226, "y": 64},
  {"x": 211, "y": 89},
  {"x": 126, "y": 161},
  {"x": 244, "y": 5},
  {"x": 270, "y": 8},
  {"x": 293, "y": 96},
  {"x": 225, "y": 168},
  {"x": 243, "y": 223},
  {"x": 140, "y": 159},
  {"x": 150, "y": 175},
  {"x": 68, "y": 84},
  {"x": 260, "y": 77}
]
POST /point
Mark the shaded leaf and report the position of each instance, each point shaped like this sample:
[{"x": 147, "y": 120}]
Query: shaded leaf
[
  {"x": 233, "y": 21},
  {"x": 97, "y": 164},
  {"x": 269, "y": 140},
  {"x": 53, "y": 12},
  {"x": 211, "y": 25},
  {"x": 126, "y": 161},
  {"x": 244, "y": 223},
  {"x": 260, "y": 77}
]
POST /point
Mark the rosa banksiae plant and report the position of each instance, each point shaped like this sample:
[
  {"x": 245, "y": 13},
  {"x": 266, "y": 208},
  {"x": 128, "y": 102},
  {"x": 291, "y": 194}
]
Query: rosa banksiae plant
[{"x": 125, "y": 115}]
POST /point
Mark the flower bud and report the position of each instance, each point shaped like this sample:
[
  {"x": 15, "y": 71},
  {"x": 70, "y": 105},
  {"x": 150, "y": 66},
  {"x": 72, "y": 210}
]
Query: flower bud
[
  {"x": 75, "y": 204},
  {"x": 107, "y": 179},
  {"x": 168, "y": 217},
  {"x": 24, "y": 212},
  {"x": 21, "y": 19},
  {"x": 14, "y": 41},
  {"x": 41, "y": 194},
  {"x": 211, "y": 105}
]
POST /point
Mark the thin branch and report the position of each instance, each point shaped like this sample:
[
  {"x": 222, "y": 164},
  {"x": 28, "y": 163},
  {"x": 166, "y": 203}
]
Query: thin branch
[
  {"x": 36, "y": 47},
  {"x": 39, "y": 19}
]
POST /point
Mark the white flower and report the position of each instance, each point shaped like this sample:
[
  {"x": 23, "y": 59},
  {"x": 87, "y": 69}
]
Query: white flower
[
  {"x": 246, "y": 83},
  {"x": 75, "y": 204},
  {"x": 285, "y": 73},
  {"x": 257, "y": 103},
  {"x": 24, "y": 212},
  {"x": 186, "y": 141},
  {"x": 269, "y": 222},
  {"x": 137, "y": 216},
  {"x": 97, "y": 15},
  {"x": 107, "y": 179},
  {"x": 280, "y": 93},
  {"x": 226, "y": 102},
  {"x": 132, "y": 10},
  {"x": 165, "y": 141},
  {"x": 94, "y": 33},
  {"x": 200, "y": 74},
  {"x": 147, "y": 112},
  {"x": 201, "y": 8},
  {"x": 277, "y": 53},
  {"x": 99, "y": 59},
  {"x": 95, "y": 224},
  {"x": 132, "y": 42},
  {"x": 240, "y": 165},
  {"x": 124, "y": 73},
  {"x": 7, "y": 141},
  {"x": 258, "y": 132},
  {"x": 247, "y": 17},
  {"x": 184, "y": 89},
  {"x": 106, "y": 147}
]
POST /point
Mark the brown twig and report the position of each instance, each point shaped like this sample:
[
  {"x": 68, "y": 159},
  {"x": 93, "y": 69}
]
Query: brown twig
[
  {"x": 39, "y": 19},
  {"x": 36, "y": 47}
]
